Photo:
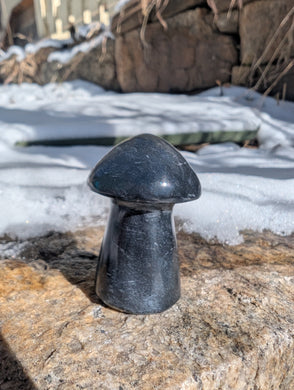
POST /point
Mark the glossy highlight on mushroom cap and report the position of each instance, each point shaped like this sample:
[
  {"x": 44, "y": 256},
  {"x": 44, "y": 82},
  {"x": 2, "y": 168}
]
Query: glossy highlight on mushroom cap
[{"x": 145, "y": 169}]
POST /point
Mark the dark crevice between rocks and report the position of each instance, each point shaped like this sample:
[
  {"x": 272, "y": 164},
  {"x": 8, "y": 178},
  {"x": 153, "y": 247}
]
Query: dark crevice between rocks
[
  {"x": 237, "y": 43},
  {"x": 12, "y": 374}
]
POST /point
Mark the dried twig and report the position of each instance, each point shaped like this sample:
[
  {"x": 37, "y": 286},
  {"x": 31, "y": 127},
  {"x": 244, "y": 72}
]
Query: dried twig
[
  {"x": 12, "y": 75},
  {"x": 282, "y": 74},
  {"x": 145, "y": 21},
  {"x": 212, "y": 5},
  {"x": 279, "y": 63},
  {"x": 270, "y": 63},
  {"x": 103, "y": 49},
  {"x": 232, "y": 4},
  {"x": 159, "y": 6},
  {"x": 284, "y": 91}
]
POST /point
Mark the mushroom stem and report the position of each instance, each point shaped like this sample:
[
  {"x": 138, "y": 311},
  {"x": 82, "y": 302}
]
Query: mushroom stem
[{"x": 138, "y": 270}]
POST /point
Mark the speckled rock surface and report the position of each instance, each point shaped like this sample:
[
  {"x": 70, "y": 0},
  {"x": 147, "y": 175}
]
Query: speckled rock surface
[{"x": 233, "y": 328}]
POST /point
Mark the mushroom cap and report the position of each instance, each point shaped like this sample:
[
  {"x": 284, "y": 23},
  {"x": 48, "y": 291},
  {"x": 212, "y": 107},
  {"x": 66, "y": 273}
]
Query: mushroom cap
[{"x": 145, "y": 169}]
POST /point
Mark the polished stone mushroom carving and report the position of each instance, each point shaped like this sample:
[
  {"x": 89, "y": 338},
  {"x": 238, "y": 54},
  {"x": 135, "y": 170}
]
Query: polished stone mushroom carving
[{"x": 138, "y": 270}]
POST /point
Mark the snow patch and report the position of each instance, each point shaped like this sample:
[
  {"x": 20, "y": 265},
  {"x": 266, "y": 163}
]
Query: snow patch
[
  {"x": 79, "y": 109},
  {"x": 44, "y": 188},
  {"x": 13, "y": 50},
  {"x": 66, "y": 56},
  {"x": 62, "y": 55},
  {"x": 232, "y": 203}
]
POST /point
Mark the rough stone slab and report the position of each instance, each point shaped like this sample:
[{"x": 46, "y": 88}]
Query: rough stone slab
[
  {"x": 228, "y": 23},
  {"x": 233, "y": 328},
  {"x": 258, "y": 23},
  {"x": 187, "y": 56}
]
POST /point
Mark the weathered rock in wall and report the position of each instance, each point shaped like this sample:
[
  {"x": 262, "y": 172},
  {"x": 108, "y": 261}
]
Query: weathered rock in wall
[
  {"x": 133, "y": 13},
  {"x": 189, "y": 55},
  {"x": 219, "y": 6},
  {"x": 199, "y": 47},
  {"x": 260, "y": 24},
  {"x": 189, "y": 46},
  {"x": 97, "y": 66},
  {"x": 228, "y": 23}
]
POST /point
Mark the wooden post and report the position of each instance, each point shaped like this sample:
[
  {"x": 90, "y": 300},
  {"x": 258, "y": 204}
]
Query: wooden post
[{"x": 41, "y": 27}]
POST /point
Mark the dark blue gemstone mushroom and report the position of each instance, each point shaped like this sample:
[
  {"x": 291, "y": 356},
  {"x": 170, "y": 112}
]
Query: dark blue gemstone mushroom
[{"x": 138, "y": 269}]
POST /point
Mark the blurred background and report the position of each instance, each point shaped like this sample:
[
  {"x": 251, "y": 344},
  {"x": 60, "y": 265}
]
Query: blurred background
[{"x": 151, "y": 45}]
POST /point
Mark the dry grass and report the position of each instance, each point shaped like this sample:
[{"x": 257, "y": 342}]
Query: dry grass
[
  {"x": 28, "y": 70},
  {"x": 280, "y": 63},
  {"x": 14, "y": 71},
  {"x": 265, "y": 75}
]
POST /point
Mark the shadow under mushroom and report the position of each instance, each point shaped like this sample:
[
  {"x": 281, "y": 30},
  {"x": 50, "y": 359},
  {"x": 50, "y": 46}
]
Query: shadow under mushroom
[
  {"x": 62, "y": 251},
  {"x": 77, "y": 260}
]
